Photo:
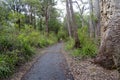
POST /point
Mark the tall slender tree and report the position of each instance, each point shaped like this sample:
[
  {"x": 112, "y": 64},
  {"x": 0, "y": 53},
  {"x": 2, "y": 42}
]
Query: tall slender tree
[
  {"x": 74, "y": 26},
  {"x": 68, "y": 18},
  {"x": 46, "y": 5},
  {"x": 91, "y": 22},
  {"x": 97, "y": 21}
]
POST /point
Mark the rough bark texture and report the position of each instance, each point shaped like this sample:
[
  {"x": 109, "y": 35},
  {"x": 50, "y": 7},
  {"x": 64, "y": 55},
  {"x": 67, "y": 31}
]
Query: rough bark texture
[
  {"x": 109, "y": 52},
  {"x": 107, "y": 8}
]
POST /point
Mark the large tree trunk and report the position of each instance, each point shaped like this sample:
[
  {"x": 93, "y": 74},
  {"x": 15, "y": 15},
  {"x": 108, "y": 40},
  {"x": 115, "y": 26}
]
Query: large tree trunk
[
  {"x": 109, "y": 52},
  {"x": 74, "y": 25}
]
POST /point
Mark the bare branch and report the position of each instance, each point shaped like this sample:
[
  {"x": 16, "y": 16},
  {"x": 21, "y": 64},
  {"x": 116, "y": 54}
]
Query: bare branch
[
  {"x": 83, "y": 8},
  {"x": 83, "y": 2}
]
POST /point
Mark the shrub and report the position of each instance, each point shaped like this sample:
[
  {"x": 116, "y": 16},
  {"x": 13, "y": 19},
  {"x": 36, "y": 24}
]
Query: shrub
[
  {"x": 62, "y": 34},
  {"x": 4, "y": 68},
  {"x": 69, "y": 44},
  {"x": 43, "y": 41},
  {"x": 7, "y": 64},
  {"x": 88, "y": 47},
  {"x": 52, "y": 38},
  {"x": 17, "y": 47},
  {"x": 26, "y": 52}
]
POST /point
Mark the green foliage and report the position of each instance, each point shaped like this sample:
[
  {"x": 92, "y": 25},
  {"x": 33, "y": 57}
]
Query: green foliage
[
  {"x": 78, "y": 19},
  {"x": 62, "y": 34},
  {"x": 88, "y": 47},
  {"x": 69, "y": 44},
  {"x": 7, "y": 64},
  {"x": 94, "y": 18},
  {"x": 54, "y": 23},
  {"x": 18, "y": 36},
  {"x": 2, "y": 14},
  {"x": 5, "y": 70},
  {"x": 52, "y": 38},
  {"x": 16, "y": 46}
]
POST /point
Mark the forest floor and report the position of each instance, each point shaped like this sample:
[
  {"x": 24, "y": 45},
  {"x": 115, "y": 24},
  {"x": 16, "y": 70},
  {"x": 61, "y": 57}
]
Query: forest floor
[
  {"x": 53, "y": 63},
  {"x": 84, "y": 69}
]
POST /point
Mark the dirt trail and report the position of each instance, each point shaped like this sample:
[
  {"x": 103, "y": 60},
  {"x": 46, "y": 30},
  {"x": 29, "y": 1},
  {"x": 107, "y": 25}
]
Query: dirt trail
[{"x": 51, "y": 66}]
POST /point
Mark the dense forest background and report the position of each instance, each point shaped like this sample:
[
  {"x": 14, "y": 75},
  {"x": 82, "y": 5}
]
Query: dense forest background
[{"x": 29, "y": 24}]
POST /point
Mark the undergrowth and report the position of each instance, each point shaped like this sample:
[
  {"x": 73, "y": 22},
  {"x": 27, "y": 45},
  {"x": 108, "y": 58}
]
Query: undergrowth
[
  {"x": 17, "y": 47},
  {"x": 88, "y": 47}
]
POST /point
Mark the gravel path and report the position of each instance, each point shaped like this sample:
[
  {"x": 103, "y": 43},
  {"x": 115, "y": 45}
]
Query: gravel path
[{"x": 51, "y": 66}]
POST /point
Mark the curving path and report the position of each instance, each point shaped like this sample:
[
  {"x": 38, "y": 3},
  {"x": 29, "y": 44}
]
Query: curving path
[{"x": 51, "y": 66}]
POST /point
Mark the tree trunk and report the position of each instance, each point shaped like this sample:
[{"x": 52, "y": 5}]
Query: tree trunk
[
  {"x": 97, "y": 22},
  {"x": 68, "y": 19},
  {"x": 19, "y": 24},
  {"x": 74, "y": 26},
  {"x": 34, "y": 21},
  {"x": 46, "y": 21},
  {"x": 109, "y": 52},
  {"x": 18, "y": 21},
  {"x": 91, "y": 22},
  {"x": 30, "y": 16}
]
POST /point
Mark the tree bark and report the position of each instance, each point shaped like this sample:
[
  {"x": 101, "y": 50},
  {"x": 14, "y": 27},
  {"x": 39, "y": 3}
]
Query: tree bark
[
  {"x": 74, "y": 25},
  {"x": 34, "y": 20},
  {"x": 91, "y": 22},
  {"x": 97, "y": 22},
  {"x": 46, "y": 20},
  {"x": 109, "y": 51},
  {"x": 68, "y": 19},
  {"x": 30, "y": 16}
]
